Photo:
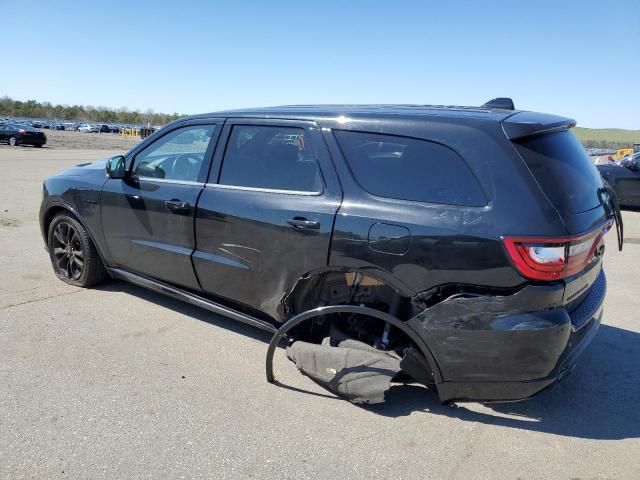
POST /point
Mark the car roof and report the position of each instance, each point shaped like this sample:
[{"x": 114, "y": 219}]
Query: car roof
[
  {"x": 516, "y": 123},
  {"x": 312, "y": 112}
]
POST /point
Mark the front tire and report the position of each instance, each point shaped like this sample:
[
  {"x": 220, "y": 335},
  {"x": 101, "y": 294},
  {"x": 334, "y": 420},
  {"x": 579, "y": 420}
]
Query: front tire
[
  {"x": 74, "y": 257},
  {"x": 13, "y": 141}
]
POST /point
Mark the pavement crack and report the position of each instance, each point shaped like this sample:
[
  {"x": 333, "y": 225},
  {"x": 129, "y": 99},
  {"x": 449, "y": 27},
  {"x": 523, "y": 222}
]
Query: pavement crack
[{"x": 35, "y": 300}]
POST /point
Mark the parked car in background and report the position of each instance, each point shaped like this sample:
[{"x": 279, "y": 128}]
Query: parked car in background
[
  {"x": 381, "y": 225},
  {"x": 89, "y": 128},
  {"x": 104, "y": 128},
  {"x": 21, "y": 135},
  {"x": 37, "y": 124},
  {"x": 144, "y": 132},
  {"x": 58, "y": 126},
  {"x": 114, "y": 128},
  {"x": 624, "y": 177}
]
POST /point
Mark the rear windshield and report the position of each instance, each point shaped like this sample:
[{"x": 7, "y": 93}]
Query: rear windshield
[{"x": 563, "y": 170}]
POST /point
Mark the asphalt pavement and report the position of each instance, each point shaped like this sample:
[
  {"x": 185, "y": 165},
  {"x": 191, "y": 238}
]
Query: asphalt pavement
[{"x": 118, "y": 382}]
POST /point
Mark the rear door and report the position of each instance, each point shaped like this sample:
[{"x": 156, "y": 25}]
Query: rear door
[
  {"x": 148, "y": 216},
  {"x": 266, "y": 216}
]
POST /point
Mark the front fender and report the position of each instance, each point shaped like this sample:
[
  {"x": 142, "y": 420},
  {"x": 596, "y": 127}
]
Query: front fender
[{"x": 87, "y": 213}]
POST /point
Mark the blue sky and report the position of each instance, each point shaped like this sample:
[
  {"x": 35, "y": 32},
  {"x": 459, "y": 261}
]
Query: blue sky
[{"x": 576, "y": 58}]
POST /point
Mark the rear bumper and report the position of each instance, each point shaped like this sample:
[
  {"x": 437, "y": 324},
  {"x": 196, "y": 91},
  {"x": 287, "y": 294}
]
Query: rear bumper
[
  {"x": 520, "y": 390},
  {"x": 488, "y": 356}
]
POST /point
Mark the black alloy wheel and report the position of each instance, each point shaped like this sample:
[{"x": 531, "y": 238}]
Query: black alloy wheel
[{"x": 67, "y": 251}]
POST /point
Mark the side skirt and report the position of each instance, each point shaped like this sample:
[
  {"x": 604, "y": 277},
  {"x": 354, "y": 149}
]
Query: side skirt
[{"x": 198, "y": 301}]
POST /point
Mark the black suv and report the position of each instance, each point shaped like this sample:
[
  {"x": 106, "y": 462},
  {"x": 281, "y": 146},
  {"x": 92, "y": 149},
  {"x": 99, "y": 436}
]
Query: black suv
[{"x": 468, "y": 241}]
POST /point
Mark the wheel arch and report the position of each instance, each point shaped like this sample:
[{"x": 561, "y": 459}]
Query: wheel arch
[
  {"x": 305, "y": 293},
  {"x": 398, "y": 307},
  {"x": 335, "y": 309},
  {"x": 54, "y": 209}
]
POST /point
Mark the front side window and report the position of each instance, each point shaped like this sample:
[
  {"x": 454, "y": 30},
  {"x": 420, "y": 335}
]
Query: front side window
[
  {"x": 178, "y": 155},
  {"x": 274, "y": 158},
  {"x": 409, "y": 169}
]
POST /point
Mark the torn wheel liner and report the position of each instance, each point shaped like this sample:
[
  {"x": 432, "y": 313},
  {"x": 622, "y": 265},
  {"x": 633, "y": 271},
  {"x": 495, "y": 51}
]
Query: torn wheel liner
[{"x": 353, "y": 370}]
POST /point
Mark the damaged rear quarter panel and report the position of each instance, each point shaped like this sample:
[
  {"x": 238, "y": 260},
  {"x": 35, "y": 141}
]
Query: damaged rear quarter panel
[
  {"x": 477, "y": 338},
  {"x": 446, "y": 243},
  {"x": 494, "y": 338}
]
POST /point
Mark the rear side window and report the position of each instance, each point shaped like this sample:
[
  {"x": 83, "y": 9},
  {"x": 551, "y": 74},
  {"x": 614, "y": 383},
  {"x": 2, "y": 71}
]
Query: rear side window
[
  {"x": 274, "y": 158},
  {"x": 563, "y": 170},
  {"x": 409, "y": 169}
]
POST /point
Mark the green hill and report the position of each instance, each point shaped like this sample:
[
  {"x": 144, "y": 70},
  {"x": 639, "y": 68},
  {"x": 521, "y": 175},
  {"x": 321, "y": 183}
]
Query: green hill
[{"x": 607, "y": 137}]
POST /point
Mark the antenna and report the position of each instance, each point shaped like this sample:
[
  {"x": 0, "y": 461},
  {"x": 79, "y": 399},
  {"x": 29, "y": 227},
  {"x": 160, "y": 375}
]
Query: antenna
[{"x": 503, "y": 103}]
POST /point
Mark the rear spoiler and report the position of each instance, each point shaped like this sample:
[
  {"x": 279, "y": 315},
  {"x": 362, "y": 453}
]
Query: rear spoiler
[{"x": 526, "y": 124}]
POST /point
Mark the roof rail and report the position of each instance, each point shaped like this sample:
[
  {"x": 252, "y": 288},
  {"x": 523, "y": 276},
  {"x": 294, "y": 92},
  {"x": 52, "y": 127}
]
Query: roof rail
[{"x": 503, "y": 103}]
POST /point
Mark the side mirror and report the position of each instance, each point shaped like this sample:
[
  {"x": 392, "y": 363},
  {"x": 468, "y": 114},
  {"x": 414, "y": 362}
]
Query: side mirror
[{"x": 115, "y": 167}]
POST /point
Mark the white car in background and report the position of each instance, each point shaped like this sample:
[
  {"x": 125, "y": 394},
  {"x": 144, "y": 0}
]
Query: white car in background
[{"x": 89, "y": 128}]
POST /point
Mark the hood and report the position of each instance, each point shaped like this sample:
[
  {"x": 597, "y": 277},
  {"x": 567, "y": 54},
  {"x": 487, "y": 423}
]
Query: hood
[{"x": 86, "y": 168}]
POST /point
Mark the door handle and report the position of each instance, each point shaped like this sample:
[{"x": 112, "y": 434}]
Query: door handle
[
  {"x": 178, "y": 206},
  {"x": 302, "y": 223}
]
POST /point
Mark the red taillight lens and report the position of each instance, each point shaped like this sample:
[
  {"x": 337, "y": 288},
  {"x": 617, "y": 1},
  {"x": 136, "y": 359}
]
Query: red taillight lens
[{"x": 554, "y": 258}]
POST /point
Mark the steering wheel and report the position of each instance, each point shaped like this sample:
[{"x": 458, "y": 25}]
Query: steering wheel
[{"x": 186, "y": 166}]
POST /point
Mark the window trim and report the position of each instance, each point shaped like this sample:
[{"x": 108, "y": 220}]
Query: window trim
[
  {"x": 266, "y": 190},
  {"x": 168, "y": 180},
  {"x": 283, "y": 124}
]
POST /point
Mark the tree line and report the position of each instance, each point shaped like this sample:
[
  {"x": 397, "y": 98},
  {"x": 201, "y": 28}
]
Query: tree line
[
  {"x": 86, "y": 113},
  {"x": 605, "y": 144}
]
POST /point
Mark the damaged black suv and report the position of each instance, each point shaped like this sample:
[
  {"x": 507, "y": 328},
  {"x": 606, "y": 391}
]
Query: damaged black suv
[{"x": 460, "y": 247}]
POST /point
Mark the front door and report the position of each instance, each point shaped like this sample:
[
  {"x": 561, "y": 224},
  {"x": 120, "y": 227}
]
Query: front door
[
  {"x": 148, "y": 216},
  {"x": 266, "y": 217}
]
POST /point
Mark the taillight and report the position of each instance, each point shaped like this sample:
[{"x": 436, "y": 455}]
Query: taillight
[
  {"x": 554, "y": 258},
  {"x": 21, "y": 131}
]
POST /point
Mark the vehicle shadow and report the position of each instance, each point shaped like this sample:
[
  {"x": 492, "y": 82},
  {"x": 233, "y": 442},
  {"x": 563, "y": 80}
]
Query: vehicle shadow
[
  {"x": 186, "y": 309},
  {"x": 598, "y": 400}
]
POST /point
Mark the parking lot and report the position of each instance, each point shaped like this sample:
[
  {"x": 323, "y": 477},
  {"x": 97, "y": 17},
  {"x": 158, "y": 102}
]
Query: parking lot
[
  {"x": 61, "y": 139},
  {"x": 119, "y": 382}
]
